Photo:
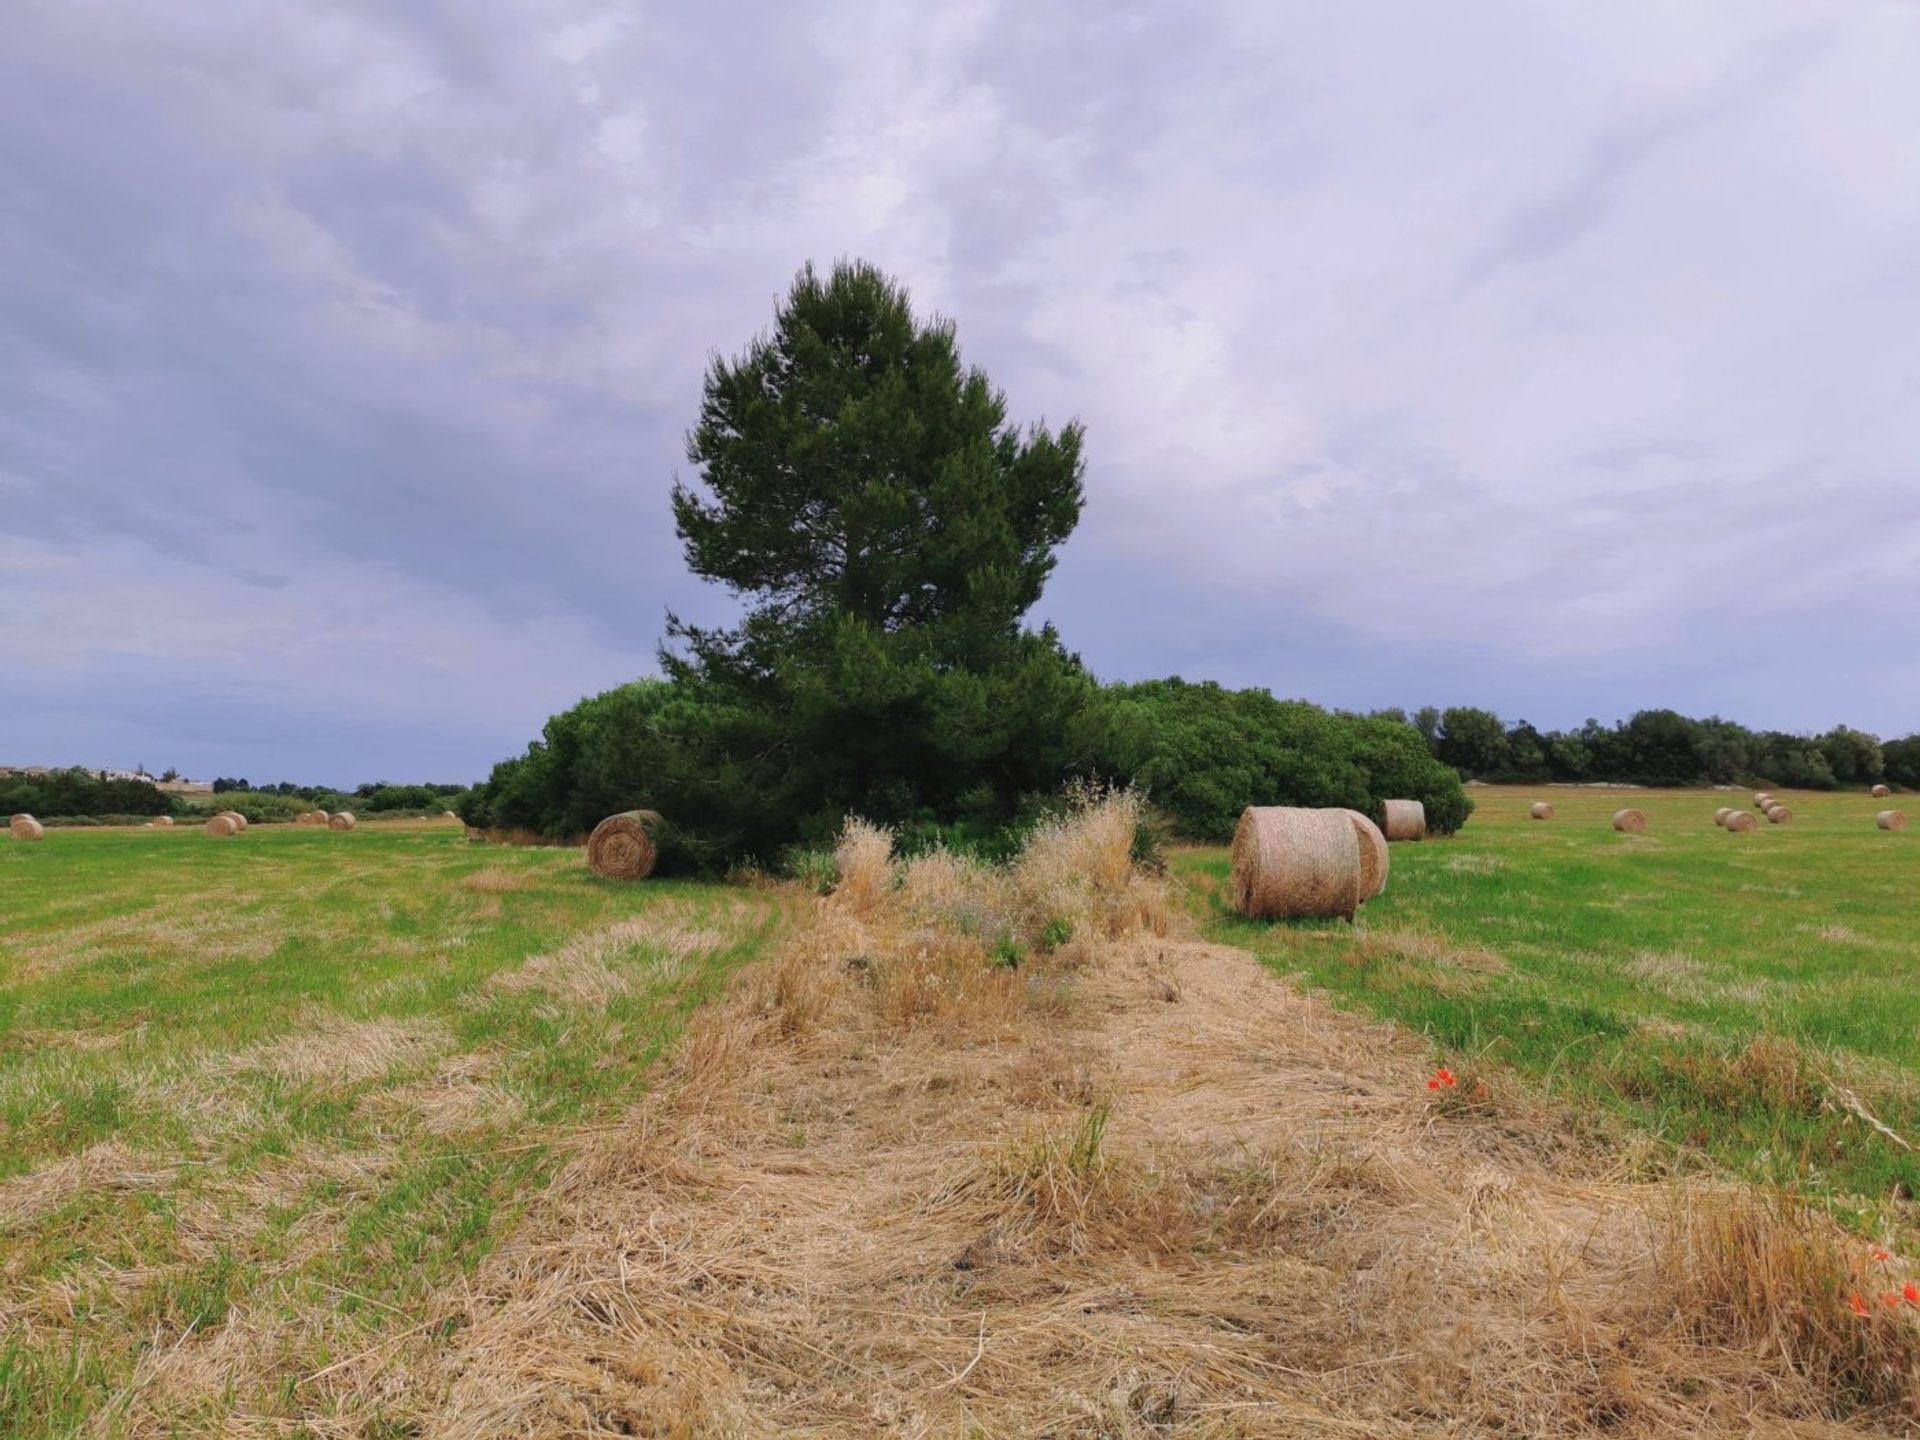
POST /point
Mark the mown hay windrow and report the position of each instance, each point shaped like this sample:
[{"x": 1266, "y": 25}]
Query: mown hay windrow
[
  {"x": 1881, "y": 792},
  {"x": 625, "y": 846},
  {"x": 25, "y": 827},
  {"x": 1291, "y": 863},
  {"x": 1375, "y": 858},
  {"x": 1891, "y": 820},
  {"x": 1223, "y": 1212},
  {"x": 1779, "y": 815},
  {"x": 1405, "y": 820},
  {"x": 342, "y": 821},
  {"x": 1630, "y": 821},
  {"x": 1720, "y": 815},
  {"x": 1540, "y": 810},
  {"x": 221, "y": 827},
  {"x": 1739, "y": 820}
]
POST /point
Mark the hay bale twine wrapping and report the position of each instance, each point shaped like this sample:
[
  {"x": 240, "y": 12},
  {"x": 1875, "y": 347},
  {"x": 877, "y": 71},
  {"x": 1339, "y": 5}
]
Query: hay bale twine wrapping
[
  {"x": 342, "y": 821},
  {"x": 1374, "y": 860},
  {"x": 1739, "y": 820},
  {"x": 1630, "y": 822},
  {"x": 1881, "y": 792},
  {"x": 1540, "y": 810},
  {"x": 1720, "y": 815},
  {"x": 25, "y": 827},
  {"x": 1890, "y": 820},
  {"x": 220, "y": 827},
  {"x": 1779, "y": 815},
  {"x": 625, "y": 846},
  {"x": 1291, "y": 863},
  {"x": 1406, "y": 819}
]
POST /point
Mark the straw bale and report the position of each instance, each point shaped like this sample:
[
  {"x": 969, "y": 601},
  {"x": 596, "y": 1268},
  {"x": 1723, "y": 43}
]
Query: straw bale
[
  {"x": 1374, "y": 861},
  {"x": 1540, "y": 810},
  {"x": 1290, "y": 863},
  {"x": 1891, "y": 820},
  {"x": 625, "y": 846},
  {"x": 342, "y": 821},
  {"x": 1632, "y": 822},
  {"x": 1405, "y": 820}
]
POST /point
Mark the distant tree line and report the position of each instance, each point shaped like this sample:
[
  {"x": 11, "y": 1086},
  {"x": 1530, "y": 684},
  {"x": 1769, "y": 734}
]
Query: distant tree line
[
  {"x": 78, "y": 794},
  {"x": 1661, "y": 747}
]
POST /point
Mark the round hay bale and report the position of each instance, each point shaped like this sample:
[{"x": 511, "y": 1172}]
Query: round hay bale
[
  {"x": 1720, "y": 815},
  {"x": 625, "y": 846},
  {"x": 321, "y": 817},
  {"x": 163, "y": 821},
  {"x": 239, "y": 820},
  {"x": 1631, "y": 822},
  {"x": 1890, "y": 820},
  {"x": 1881, "y": 792},
  {"x": 342, "y": 821},
  {"x": 220, "y": 827},
  {"x": 1374, "y": 861},
  {"x": 1540, "y": 810},
  {"x": 1739, "y": 820},
  {"x": 1291, "y": 863},
  {"x": 25, "y": 827},
  {"x": 1762, "y": 799},
  {"x": 448, "y": 815},
  {"x": 1779, "y": 815},
  {"x": 1406, "y": 820}
]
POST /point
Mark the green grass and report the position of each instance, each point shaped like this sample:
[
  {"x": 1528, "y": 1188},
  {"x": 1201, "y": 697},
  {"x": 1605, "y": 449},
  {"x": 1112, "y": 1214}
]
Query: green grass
[
  {"x": 298, "y": 1080},
  {"x": 1719, "y": 990}
]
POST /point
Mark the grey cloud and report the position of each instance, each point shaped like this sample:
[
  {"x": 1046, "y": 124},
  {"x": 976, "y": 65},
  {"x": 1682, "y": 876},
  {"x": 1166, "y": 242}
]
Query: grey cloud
[{"x": 1475, "y": 361}]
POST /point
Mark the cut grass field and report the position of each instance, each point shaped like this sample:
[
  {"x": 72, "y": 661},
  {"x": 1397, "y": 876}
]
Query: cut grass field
[
  {"x": 288, "y": 1085},
  {"x": 1747, "y": 997},
  {"x": 316, "y": 1134}
]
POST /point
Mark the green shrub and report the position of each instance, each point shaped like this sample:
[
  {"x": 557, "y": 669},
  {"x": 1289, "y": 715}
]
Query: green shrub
[
  {"x": 1203, "y": 753},
  {"x": 812, "y": 865}
]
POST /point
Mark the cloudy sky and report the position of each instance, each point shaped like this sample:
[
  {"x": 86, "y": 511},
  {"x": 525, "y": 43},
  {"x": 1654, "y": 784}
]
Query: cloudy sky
[{"x": 1562, "y": 358}]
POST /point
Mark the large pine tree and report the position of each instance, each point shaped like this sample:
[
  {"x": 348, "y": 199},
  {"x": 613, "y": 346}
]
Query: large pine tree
[{"x": 862, "y": 491}]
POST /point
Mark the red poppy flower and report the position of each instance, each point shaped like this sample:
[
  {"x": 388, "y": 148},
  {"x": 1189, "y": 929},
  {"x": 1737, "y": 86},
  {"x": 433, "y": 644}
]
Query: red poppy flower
[
  {"x": 1857, "y": 1305},
  {"x": 1912, "y": 1292},
  {"x": 1882, "y": 1255},
  {"x": 1890, "y": 1300},
  {"x": 1433, "y": 1084}
]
